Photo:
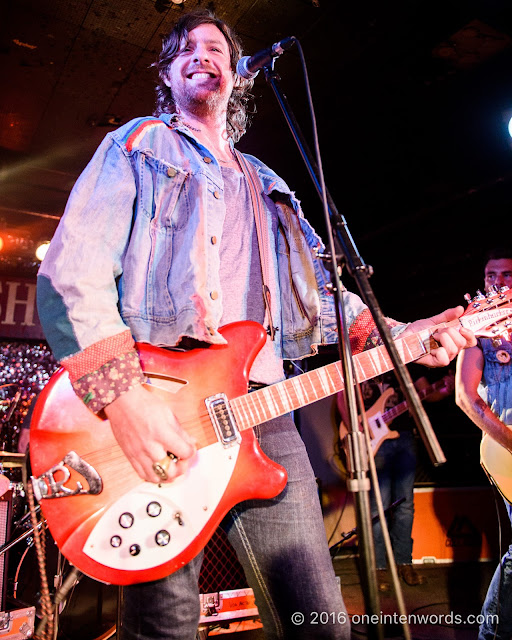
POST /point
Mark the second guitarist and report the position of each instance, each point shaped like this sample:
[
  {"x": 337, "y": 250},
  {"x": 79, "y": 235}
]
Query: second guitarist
[
  {"x": 484, "y": 393},
  {"x": 394, "y": 445}
]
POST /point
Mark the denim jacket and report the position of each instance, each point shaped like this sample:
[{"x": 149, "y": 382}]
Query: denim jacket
[
  {"x": 496, "y": 384},
  {"x": 138, "y": 248}
]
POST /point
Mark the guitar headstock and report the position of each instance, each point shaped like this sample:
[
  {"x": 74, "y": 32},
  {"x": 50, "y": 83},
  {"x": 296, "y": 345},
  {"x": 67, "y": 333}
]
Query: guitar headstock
[{"x": 489, "y": 315}]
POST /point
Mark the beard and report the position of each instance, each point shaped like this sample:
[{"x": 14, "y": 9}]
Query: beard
[{"x": 200, "y": 101}]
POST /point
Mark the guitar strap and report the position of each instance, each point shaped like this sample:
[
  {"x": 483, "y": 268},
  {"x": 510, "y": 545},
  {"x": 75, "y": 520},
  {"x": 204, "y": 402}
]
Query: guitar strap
[{"x": 255, "y": 188}]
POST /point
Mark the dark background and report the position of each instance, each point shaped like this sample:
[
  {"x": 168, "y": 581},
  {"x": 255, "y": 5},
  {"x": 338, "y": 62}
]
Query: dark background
[{"x": 411, "y": 100}]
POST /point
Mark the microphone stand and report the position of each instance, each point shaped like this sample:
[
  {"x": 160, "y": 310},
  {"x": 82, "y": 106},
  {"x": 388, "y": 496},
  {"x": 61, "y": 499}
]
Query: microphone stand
[
  {"x": 350, "y": 534},
  {"x": 341, "y": 245}
]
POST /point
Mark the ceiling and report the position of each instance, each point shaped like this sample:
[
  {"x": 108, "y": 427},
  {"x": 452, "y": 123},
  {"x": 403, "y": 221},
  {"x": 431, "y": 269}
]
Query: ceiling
[{"x": 410, "y": 99}]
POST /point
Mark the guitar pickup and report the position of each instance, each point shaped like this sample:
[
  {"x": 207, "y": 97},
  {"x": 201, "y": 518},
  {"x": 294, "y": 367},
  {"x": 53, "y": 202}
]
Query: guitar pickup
[
  {"x": 223, "y": 420},
  {"x": 51, "y": 484}
]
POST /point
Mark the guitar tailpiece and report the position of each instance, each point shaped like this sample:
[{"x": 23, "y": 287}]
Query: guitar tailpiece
[{"x": 46, "y": 486}]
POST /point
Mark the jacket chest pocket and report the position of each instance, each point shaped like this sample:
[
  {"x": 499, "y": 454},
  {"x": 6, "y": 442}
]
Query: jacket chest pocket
[{"x": 161, "y": 184}]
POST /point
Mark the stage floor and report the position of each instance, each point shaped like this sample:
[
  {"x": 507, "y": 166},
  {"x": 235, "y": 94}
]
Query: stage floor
[{"x": 452, "y": 593}]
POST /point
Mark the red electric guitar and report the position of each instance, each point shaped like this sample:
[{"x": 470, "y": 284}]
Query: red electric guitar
[{"x": 118, "y": 529}]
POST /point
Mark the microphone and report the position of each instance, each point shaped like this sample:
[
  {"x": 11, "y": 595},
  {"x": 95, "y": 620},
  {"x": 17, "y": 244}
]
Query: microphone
[{"x": 249, "y": 66}]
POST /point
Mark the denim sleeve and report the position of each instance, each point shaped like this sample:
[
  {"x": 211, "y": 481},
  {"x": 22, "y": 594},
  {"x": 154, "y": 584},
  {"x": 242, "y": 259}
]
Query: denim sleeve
[{"x": 77, "y": 295}]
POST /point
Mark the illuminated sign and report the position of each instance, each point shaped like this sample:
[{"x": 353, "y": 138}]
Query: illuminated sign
[{"x": 18, "y": 313}]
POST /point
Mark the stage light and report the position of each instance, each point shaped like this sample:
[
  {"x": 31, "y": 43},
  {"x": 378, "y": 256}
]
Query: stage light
[
  {"x": 42, "y": 249},
  {"x": 506, "y": 119}
]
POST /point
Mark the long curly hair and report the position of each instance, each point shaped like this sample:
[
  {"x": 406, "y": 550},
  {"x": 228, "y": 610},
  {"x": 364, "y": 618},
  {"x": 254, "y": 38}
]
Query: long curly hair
[{"x": 237, "y": 118}]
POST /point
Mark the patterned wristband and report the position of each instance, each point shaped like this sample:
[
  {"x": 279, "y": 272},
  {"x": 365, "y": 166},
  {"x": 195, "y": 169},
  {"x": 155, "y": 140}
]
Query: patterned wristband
[
  {"x": 103, "y": 386},
  {"x": 374, "y": 339}
]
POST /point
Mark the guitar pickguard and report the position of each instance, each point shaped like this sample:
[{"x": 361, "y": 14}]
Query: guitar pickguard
[{"x": 151, "y": 524}]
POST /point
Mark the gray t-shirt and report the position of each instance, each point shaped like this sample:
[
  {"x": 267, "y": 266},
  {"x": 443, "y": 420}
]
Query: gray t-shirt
[{"x": 240, "y": 272}]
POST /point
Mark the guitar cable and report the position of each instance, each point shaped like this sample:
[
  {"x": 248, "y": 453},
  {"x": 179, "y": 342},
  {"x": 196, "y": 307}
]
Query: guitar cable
[{"x": 45, "y": 629}]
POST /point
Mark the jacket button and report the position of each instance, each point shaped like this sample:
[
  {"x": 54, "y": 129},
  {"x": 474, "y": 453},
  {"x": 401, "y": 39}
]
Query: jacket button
[
  {"x": 207, "y": 159},
  {"x": 171, "y": 172},
  {"x": 214, "y": 295},
  {"x": 213, "y": 239},
  {"x": 216, "y": 194}
]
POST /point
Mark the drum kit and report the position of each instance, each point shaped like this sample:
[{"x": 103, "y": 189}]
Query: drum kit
[{"x": 83, "y": 609}]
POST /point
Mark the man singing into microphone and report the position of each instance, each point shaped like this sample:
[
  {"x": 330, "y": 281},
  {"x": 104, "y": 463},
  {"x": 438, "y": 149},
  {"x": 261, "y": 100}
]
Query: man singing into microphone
[{"x": 159, "y": 244}]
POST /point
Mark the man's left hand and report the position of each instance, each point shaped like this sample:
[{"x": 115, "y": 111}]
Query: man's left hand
[{"x": 451, "y": 339}]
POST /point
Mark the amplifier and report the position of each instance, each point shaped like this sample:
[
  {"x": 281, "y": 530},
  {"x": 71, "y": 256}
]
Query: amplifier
[
  {"x": 17, "y": 624},
  {"x": 223, "y": 591},
  {"x": 5, "y": 528},
  {"x": 221, "y": 570}
]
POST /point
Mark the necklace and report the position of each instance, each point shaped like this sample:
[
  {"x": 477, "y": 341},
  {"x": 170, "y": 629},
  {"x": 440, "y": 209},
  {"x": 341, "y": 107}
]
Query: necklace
[
  {"x": 233, "y": 160},
  {"x": 176, "y": 119},
  {"x": 189, "y": 126}
]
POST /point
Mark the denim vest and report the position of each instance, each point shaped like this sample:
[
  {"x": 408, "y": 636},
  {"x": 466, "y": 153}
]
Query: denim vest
[
  {"x": 496, "y": 385},
  {"x": 138, "y": 247}
]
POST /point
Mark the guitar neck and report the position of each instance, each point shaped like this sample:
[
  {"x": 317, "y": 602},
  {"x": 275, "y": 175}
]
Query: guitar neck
[
  {"x": 292, "y": 394},
  {"x": 485, "y": 317},
  {"x": 402, "y": 407}
]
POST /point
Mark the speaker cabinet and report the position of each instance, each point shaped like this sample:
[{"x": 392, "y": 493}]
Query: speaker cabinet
[
  {"x": 221, "y": 570},
  {"x": 5, "y": 529}
]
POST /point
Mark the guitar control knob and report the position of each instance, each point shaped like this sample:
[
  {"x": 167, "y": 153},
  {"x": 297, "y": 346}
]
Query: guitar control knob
[
  {"x": 115, "y": 541},
  {"x": 154, "y": 509},
  {"x": 163, "y": 538},
  {"x": 134, "y": 549},
  {"x": 126, "y": 520}
]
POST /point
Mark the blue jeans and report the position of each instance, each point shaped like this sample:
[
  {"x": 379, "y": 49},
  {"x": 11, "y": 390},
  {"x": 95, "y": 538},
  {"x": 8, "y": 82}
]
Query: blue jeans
[
  {"x": 282, "y": 546},
  {"x": 396, "y": 468},
  {"x": 497, "y": 607}
]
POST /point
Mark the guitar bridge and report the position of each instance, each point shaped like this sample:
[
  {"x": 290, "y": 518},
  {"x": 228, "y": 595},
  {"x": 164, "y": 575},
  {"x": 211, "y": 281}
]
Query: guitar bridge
[{"x": 223, "y": 420}]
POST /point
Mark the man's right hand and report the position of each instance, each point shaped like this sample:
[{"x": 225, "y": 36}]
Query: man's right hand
[{"x": 146, "y": 429}]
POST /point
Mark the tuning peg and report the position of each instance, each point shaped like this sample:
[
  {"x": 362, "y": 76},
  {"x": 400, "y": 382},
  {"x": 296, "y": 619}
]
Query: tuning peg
[
  {"x": 467, "y": 297},
  {"x": 479, "y": 296}
]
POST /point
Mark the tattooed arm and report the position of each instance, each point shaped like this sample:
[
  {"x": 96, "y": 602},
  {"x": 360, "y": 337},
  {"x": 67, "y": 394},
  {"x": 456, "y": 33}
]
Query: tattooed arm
[{"x": 470, "y": 365}]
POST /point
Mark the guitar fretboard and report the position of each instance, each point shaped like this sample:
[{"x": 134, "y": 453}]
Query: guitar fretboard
[
  {"x": 393, "y": 412},
  {"x": 294, "y": 393}
]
